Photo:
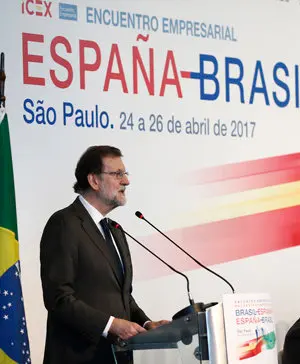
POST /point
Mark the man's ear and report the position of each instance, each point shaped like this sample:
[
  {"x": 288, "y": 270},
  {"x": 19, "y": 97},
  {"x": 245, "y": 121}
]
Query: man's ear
[{"x": 94, "y": 181}]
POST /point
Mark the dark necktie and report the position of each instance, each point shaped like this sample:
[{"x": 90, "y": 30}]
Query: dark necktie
[{"x": 112, "y": 249}]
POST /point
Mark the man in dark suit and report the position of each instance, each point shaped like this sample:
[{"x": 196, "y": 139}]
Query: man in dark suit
[
  {"x": 86, "y": 269},
  {"x": 291, "y": 348}
]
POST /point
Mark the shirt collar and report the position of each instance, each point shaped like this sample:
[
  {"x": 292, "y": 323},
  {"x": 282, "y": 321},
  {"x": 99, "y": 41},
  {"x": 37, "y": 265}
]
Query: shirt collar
[{"x": 93, "y": 212}]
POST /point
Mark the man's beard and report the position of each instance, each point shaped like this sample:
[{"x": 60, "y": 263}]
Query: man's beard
[{"x": 115, "y": 201}]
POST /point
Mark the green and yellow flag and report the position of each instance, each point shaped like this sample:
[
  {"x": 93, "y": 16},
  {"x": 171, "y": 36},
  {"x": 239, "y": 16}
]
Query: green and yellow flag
[{"x": 14, "y": 344}]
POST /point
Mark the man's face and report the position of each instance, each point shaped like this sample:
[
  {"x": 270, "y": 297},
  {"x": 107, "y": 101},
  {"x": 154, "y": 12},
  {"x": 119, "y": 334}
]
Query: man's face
[{"x": 112, "y": 187}]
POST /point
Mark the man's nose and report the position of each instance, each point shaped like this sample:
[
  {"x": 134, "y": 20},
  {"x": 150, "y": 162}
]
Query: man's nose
[{"x": 125, "y": 180}]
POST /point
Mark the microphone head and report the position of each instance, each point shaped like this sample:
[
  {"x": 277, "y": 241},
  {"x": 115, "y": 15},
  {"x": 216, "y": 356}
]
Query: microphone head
[
  {"x": 139, "y": 215},
  {"x": 115, "y": 224}
]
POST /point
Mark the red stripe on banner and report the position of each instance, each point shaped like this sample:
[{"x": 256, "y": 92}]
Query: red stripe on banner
[
  {"x": 252, "y": 182},
  {"x": 226, "y": 240},
  {"x": 239, "y": 177},
  {"x": 247, "y": 169}
]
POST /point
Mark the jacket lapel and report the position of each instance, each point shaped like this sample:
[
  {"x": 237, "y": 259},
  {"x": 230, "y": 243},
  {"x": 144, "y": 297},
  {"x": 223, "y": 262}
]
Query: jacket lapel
[{"x": 90, "y": 228}]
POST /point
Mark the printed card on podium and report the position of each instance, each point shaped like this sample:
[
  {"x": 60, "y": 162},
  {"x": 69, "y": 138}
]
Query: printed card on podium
[{"x": 250, "y": 329}]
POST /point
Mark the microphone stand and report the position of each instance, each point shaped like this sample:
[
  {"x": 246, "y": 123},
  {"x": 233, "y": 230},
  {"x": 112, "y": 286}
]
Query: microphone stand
[
  {"x": 193, "y": 307},
  {"x": 197, "y": 307},
  {"x": 142, "y": 217}
]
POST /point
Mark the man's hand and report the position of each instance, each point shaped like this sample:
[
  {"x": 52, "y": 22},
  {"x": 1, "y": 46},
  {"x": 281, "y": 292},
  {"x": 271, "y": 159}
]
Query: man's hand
[
  {"x": 154, "y": 324},
  {"x": 124, "y": 329}
]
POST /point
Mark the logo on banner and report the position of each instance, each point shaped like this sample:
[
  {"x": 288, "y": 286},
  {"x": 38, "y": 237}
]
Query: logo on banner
[
  {"x": 37, "y": 7},
  {"x": 67, "y": 11}
]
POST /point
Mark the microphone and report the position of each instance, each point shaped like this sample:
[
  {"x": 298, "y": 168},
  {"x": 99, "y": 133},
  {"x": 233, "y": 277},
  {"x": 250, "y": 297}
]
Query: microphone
[
  {"x": 142, "y": 217},
  {"x": 194, "y": 307}
]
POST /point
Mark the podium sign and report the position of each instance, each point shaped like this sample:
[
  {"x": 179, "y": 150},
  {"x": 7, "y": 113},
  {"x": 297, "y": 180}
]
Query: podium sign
[{"x": 249, "y": 329}]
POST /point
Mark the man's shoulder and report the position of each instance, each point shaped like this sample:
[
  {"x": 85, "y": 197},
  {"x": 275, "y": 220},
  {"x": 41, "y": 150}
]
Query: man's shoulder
[
  {"x": 291, "y": 348},
  {"x": 67, "y": 213},
  {"x": 295, "y": 329},
  {"x": 64, "y": 211}
]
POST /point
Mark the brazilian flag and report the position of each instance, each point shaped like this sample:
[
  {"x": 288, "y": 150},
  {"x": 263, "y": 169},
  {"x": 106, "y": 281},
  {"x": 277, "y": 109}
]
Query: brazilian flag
[{"x": 14, "y": 344}]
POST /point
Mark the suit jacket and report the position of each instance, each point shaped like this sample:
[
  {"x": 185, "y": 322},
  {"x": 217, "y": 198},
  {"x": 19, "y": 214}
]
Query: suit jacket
[
  {"x": 81, "y": 288},
  {"x": 291, "y": 348}
]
